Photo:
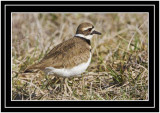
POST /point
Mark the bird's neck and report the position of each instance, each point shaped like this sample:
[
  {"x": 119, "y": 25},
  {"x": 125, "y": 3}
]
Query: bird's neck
[{"x": 83, "y": 38}]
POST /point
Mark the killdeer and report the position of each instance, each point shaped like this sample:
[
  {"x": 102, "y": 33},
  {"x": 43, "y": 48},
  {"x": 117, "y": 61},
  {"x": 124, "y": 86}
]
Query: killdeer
[{"x": 69, "y": 58}]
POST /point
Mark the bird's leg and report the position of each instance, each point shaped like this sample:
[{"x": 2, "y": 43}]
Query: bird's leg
[
  {"x": 69, "y": 88},
  {"x": 62, "y": 84},
  {"x": 65, "y": 88},
  {"x": 82, "y": 83}
]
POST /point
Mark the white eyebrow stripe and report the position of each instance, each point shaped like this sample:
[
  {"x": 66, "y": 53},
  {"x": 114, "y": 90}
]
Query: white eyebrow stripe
[{"x": 86, "y": 28}]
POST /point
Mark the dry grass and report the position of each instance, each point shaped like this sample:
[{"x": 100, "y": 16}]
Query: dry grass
[{"x": 119, "y": 66}]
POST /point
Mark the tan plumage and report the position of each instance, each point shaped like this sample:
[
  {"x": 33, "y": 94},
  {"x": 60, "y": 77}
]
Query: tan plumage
[
  {"x": 65, "y": 55},
  {"x": 82, "y": 28}
]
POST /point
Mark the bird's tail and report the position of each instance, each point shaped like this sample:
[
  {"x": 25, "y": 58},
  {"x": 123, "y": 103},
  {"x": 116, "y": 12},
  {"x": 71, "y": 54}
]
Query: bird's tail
[
  {"x": 31, "y": 69},
  {"x": 28, "y": 71}
]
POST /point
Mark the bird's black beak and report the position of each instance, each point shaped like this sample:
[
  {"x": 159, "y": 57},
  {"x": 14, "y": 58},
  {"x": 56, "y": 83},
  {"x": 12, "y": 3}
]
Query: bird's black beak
[{"x": 96, "y": 32}]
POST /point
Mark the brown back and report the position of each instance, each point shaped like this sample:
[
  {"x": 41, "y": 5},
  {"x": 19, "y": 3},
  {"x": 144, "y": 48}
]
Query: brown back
[{"x": 66, "y": 55}]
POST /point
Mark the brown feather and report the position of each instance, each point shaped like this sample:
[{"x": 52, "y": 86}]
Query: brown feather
[{"x": 65, "y": 55}]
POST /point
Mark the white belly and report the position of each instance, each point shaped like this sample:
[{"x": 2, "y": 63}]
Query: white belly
[{"x": 76, "y": 71}]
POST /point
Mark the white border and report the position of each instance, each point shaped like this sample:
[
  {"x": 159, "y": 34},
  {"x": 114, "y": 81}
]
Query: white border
[{"x": 73, "y": 12}]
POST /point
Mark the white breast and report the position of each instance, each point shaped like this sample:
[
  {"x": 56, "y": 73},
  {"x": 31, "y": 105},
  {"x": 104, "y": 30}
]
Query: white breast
[{"x": 75, "y": 71}]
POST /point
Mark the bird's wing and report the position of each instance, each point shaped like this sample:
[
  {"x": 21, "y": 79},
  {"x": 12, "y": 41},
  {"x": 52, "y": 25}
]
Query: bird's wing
[{"x": 65, "y": 55}]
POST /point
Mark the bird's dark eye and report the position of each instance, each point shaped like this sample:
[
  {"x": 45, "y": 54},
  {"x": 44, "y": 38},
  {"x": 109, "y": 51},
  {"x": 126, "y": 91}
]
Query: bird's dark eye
[{"x": 89, "y": 29}]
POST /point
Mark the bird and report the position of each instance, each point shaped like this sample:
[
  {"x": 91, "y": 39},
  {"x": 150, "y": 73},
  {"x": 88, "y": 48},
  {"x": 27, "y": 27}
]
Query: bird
[{"x": 70, "y": 58}]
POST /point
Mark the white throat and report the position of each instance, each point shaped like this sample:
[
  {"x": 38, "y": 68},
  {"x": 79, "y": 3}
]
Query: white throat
[{"x": 89, "y": 37}]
